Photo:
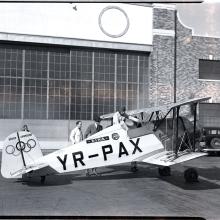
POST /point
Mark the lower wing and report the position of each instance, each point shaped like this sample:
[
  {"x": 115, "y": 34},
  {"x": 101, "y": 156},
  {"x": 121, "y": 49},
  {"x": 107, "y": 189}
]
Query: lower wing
[{"x": 169, "y": 158}]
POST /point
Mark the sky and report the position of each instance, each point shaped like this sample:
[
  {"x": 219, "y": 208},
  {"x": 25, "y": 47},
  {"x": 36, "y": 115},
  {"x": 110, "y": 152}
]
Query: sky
[{"x": 203, "y": 18}]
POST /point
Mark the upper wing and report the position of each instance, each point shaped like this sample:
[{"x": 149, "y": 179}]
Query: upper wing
[
  {"x": 149, "y": 110},
  {"x": 162, "y": 108}
]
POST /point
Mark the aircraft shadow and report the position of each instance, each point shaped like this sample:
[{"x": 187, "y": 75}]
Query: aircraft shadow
[
  {"x": 212, "y": 173},
  {"x": 177, "y": 179},
  {"x": 109, "y": 173},
  {"x": 54, "y": 180},
  {"x": 120, "y": 172},
  {"x": 124, "y": 172}
]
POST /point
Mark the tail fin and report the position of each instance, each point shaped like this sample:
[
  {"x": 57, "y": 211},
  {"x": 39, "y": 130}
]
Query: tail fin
[{"x": 20, "y": 150}]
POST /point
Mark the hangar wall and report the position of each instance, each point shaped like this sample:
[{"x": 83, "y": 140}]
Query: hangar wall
[
  {"x": 158, "y": 71},
  {"x": 190, "y": 50},
  {"x": 51, "y": 88},
  {"x": 162, "y": 56},
  {"x": 50, "y": 81}
]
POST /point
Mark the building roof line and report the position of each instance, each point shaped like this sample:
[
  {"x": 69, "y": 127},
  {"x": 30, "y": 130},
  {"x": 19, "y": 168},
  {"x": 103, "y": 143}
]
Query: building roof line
[
  {"x": 73, "y": 42},
  {"x": 164, "y": 6}
]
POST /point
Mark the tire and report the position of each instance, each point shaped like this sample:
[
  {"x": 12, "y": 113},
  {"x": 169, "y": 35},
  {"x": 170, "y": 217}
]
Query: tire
[
  {"x": 164, "y": 171},
  {"x": 213, "y": 143},
  {"x": 191, "y": 175}
]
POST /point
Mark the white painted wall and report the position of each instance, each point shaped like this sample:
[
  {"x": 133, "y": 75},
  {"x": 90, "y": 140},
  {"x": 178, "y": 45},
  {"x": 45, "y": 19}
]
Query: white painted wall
[{"x": 61, "y": 20}]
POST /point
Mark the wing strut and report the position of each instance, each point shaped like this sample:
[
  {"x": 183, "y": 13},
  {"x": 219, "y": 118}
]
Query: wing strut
[
  {"x": 151, "y": 116},
  {"x": 177, "y": 110},
  {"x": 194, "y": 124},
  {"x": 161, "y": 121}
]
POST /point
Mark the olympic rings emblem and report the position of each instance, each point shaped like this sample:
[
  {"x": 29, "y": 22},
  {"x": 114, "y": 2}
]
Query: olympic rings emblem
[{"x": 21, "y": 146}]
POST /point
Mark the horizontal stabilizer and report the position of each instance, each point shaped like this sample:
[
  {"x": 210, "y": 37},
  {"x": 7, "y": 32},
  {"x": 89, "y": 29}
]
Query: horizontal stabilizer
[
  {"x": 27, "y": 169},
  {"x": 169, "y": 158}
]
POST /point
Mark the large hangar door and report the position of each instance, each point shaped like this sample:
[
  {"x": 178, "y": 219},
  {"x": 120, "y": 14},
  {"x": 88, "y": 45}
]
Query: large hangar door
[
  {"x": 49, "y": 88},
  {"x": 43, "y": 83},
  {"x": 104, "y": 80}
]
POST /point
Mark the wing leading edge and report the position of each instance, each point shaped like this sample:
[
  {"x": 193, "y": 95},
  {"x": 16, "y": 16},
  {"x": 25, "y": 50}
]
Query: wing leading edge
[{"x": 163, "y": 108}]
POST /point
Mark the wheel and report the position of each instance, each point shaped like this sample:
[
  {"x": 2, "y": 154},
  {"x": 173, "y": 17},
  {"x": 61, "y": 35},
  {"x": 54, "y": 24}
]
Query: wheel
[
  {"x": 164, "y": 171},
  {"x": 191, "y": 175},
  {"x": 215, "y": 143},
  {"x": 42, "y": 179}
]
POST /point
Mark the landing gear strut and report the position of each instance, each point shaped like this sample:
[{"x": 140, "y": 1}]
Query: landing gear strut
[
  {"x": 42, "y": 179},
  {"x": 191, "y": 175},
  {"x": 134, "y": 169},
  {"x": 164, "y": 171}
]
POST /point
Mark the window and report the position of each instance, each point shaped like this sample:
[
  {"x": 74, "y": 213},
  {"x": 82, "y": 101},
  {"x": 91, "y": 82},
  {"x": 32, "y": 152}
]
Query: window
[
  {"x": 209, "y": 69},
  {"x": 10, "y": 61},
  {"x": 59, "y": 99},
  {"x": 10, "y": 81},
  {"x": 35, "y": 64},
  {"x": 81, "y": 100},
  {"x": 81, "y": 65},
  {"x": 104, "y": 78},
  {"x": 59, "y": 65},
  {"x": 39, "y": 82},
  {"x": 10, "y": 97},
  {"x": 35, "y": 99}
]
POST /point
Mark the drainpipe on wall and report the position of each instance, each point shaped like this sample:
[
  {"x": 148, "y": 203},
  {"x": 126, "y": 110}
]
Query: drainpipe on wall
[
  {"x": 175, "y": 54},
  {"x": 175, "y": 113}
]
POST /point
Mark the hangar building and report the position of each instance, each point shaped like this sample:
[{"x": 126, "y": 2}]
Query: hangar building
[{"x": 60, "y": 63}]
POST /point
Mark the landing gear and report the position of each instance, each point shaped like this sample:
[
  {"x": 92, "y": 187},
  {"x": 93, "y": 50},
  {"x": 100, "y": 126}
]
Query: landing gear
[
  {"x": 134, "y": 167},
  {"x": 42, "y": 179},
  {"x": 191, "y": 175},
  {"x": 164, "y": 171}
]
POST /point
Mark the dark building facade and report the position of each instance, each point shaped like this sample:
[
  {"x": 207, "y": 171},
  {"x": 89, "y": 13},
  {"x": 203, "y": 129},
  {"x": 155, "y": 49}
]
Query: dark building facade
[{"x": 50, "y": 86}]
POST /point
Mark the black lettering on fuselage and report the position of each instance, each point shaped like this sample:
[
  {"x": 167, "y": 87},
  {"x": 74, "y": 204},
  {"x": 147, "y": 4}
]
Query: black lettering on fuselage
[
  {"x": 122, "y": 150},
  {"x": 63, "y": 162},
  {"x": 80, "y": 158},
  {"x": 136, "y": 146},
  {"x": 105, "y": 152}
]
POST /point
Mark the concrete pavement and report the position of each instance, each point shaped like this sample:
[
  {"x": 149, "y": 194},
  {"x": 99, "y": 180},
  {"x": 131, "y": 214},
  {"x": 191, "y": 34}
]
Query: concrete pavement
[{"x": 118, "y": 192}]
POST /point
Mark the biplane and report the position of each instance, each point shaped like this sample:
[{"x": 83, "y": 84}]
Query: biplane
[{"x": 22, "y": 156}]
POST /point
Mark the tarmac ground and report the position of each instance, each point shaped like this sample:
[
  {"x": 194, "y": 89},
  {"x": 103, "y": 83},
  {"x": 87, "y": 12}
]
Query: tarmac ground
[{"x": 118, "y": 192}]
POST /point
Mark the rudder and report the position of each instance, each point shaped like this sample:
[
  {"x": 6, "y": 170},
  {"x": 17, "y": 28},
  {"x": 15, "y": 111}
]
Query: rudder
[{"x": 20, "y": 150}]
